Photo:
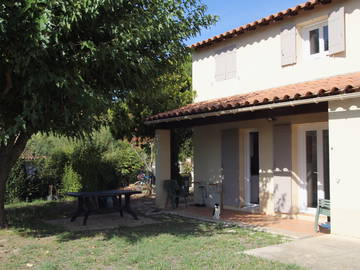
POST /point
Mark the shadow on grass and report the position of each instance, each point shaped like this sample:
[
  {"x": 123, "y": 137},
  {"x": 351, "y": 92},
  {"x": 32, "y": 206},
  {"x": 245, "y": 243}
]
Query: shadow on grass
[{"x": 27, "y": 220}]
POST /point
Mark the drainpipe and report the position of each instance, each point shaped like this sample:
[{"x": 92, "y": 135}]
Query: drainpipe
[{"x": 271, "y": 106}]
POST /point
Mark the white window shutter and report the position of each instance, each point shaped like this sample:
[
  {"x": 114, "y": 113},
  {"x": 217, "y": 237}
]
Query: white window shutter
[
  {"x": 220, "y": 66},
  {"x": 288, "y": 45},
  {"x": 337, "y": 31},
  {"x": 231, "y": 64}
]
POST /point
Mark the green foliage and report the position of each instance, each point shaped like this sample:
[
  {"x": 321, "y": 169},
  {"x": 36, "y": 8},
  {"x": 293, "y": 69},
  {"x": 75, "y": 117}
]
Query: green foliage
[
  {"x": 71, "y": 181},
  {"x": 105, "y": 163},
  {"x": 87, "y": 162},
  {"x": 46, "y": 145},
  {"x": 168, "y": 91},
  {"x": 97, "y": 162},
  {"x": 23, "y": 186},
  {"x": 126, "y": 159},
  {"x": 63, "y": 63},
  {"x": 16, "y": 184},
  {"x": 54, "y": 166},
  {"x": 55, "y": 154}
]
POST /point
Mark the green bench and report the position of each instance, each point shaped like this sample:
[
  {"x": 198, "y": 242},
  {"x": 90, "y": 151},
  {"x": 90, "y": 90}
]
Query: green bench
[{"x": 323, "y": 208}]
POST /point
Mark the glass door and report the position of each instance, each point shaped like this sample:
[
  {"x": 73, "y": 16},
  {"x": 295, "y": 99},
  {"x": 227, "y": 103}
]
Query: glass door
[
  {"x": 311, "y": 180},
  {"x": 313, "y": 165},
  {"x": 254, "y": 167}
]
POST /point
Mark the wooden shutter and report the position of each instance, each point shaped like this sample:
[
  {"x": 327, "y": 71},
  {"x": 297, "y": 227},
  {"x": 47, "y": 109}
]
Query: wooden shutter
[
  {"x": 337, "y": 31},
  {"x": 288, "y": 45},
  {"x": 230, "y": 160},
  {"x": 231, "y": 64},
  {"x": 220, "y": 66},
  {"x": 282, "y": 168}
]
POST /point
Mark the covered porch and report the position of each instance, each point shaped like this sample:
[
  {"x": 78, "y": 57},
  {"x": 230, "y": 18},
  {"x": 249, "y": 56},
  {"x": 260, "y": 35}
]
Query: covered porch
[
  {"x": 292, "y": 227},
  {"x": 274, "y": 152}
]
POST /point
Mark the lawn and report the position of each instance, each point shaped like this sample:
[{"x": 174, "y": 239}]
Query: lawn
[{"x": 175, "y": 243}]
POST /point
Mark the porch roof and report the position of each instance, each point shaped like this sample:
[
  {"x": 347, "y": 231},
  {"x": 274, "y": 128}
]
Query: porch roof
[{"x": 293, "y": 94}]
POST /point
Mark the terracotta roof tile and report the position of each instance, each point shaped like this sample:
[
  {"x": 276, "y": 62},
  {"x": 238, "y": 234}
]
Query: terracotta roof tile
[
  {"x": 273, "y": 18},
  {"x": 328, "y": 86}
]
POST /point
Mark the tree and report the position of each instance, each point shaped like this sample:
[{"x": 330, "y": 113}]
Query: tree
[
  {"x": 169, "y": 91},
  {"x": 64, "y": 62}
]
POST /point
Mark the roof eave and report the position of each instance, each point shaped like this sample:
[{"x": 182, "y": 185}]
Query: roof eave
[{"x": 269, "y": 106}]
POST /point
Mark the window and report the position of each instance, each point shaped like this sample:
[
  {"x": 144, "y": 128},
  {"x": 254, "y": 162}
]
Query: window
[
  {"x": 316, "y": 38},
  {"x": 225, "y": 64}
]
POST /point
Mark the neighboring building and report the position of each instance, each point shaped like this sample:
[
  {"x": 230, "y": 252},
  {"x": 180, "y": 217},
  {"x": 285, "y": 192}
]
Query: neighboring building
[{"x": 277, "y": 115}]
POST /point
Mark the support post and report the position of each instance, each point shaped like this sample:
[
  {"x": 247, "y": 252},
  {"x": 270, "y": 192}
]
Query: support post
[{"x": 162, "y": 164}]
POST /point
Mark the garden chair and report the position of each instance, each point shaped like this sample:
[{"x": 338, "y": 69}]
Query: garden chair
[
  {"x": 176, "y": 191},
  {"x": 173, "y": 192},
  {"x": 323, "y": 208},
  {"x": 184, "y": 188}
]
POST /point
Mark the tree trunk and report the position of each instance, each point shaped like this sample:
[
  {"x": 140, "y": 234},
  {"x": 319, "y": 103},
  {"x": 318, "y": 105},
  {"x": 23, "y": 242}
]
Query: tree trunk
[{"x": 9, "y": 154}]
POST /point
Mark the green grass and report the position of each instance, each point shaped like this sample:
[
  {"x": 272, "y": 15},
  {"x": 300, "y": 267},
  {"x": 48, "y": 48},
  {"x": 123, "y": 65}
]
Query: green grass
[{"x": 175, "y": 243}]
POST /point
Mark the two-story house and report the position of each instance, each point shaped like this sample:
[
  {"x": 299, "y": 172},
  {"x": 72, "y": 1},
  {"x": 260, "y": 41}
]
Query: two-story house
[{"x": 276, "y": 121}]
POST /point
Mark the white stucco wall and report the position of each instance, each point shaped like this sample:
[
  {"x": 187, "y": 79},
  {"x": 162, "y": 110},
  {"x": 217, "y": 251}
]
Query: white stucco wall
[
  {"x": 207, "y": 158},
  {"x": 344, "y": 130},
  {"x": 259, "y": 57}
]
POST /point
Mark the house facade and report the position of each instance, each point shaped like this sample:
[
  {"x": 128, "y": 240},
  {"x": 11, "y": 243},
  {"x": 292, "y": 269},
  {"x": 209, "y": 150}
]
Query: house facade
[{"x": 276, "y": 120}]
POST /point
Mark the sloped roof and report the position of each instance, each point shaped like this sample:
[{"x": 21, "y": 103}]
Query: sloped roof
[
  {"x": 335, "y": 85},
  {"x": 273, "y": 18}
]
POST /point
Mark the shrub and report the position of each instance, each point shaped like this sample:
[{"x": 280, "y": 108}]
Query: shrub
[
  {"x": 52, "y": 168},
  {"x": 24, "y": 182},
  {"x": 16, "y": 184},
  {"x": 90, "y": 164},
  {"x": 71, "y": 181},
  {"x": 126, "y": 160},
  {"x": 95, "y": 173}
]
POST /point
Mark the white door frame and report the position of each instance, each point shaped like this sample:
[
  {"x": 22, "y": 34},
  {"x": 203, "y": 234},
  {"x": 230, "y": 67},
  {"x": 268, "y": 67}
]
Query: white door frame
[
  {"x": 318, "y": 127},
  {"x": 247, "y": 174}
]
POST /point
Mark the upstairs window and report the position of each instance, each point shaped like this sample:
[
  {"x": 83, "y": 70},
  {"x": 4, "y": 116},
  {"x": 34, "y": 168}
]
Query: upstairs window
[
  {"x": 225, "y": 64},
  {"x": 316, "y": 40}
]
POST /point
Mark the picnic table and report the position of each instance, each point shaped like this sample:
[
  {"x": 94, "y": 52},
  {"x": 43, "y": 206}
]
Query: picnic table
[{"x": 86, "y": 206}]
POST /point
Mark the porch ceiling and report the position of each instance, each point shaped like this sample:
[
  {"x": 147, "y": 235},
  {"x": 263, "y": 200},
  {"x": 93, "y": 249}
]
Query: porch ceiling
[{"x": 285, "y": 100}]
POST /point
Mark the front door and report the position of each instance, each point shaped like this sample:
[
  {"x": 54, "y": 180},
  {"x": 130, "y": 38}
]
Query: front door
[{"x": 313, "y": 165}]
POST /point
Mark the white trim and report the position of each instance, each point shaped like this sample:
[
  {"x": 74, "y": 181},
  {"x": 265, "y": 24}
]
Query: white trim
[
  {"x": 306, "y": 41},
  {"x": 257, "y": 108}
]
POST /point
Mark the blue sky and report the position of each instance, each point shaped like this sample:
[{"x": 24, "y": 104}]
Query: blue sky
[{"x": 234, "y": 13}]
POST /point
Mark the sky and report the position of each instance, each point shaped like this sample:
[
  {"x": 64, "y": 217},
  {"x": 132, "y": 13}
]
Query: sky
[{"x": 234, "y": 13}]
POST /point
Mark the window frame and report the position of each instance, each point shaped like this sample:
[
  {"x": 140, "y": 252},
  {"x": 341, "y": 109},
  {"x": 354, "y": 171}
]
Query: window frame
[{"x": 306, "y": 41}]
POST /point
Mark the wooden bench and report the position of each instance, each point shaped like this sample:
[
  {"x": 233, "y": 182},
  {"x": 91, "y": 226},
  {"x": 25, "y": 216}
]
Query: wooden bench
[{"x": 323, "y": 208}]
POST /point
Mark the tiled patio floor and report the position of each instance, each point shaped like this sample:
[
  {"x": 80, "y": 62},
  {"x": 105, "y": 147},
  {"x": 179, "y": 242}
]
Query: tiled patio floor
[{"x": 293, "y": 227}]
